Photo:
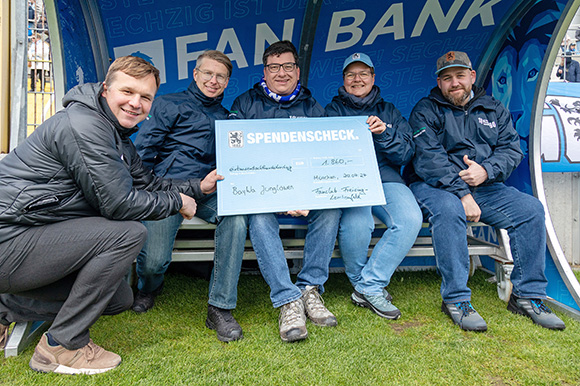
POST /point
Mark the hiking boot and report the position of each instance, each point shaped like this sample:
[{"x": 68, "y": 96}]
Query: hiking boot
[
  {"x": 292, "y": 321},
  {"x": 464, "y": 315},
  {"x": 377, "y": 303},
  {"x": 388, "y": 296},
  {"x": 144, "y": 301},
  {"x": 3, "y": 336},
  {"x": 90, "y": 359},
  {"x": 536, "y": 310},
  {"x": 223, "y": 323},
  {"x": 314, "y": 308}
]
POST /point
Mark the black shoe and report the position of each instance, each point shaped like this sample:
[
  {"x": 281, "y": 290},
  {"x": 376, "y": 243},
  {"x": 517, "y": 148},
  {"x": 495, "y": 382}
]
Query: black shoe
[
  {"x": 536, "y": 310},
  {"x": 464, "y": 315},
  {"x": 224, "y": 323},
  {"x": 144, "y": 301}
]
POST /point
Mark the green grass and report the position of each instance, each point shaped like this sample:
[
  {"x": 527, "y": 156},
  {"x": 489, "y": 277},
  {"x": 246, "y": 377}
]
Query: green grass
[{"x": 170, "y": 345}]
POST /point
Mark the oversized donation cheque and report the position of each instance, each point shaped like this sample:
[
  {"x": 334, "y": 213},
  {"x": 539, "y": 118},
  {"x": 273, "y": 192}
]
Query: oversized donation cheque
[{"x": 276, "y": 165}]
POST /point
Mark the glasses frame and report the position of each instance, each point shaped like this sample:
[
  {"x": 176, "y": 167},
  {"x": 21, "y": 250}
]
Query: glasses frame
[
  {"x": 352, "y": 75},
  {"x": 208, "y": 75},
  {"x": 288, "y": 67}
]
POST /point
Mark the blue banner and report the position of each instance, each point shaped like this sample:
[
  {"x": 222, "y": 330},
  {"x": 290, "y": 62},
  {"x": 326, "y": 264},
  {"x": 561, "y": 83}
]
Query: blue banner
[{"x": 277, "y": 165}]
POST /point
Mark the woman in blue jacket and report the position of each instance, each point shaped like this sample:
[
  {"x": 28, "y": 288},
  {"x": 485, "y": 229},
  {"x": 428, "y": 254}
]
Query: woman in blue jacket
[{"x": 394, "y": 148}]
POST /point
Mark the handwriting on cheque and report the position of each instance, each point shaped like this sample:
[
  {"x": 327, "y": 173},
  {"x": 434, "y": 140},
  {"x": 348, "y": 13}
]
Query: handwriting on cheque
[{"x": 331, "y": 193}]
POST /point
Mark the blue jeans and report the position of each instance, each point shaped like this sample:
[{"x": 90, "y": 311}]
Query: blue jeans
[
  {"x": 403, "y": 218},
  {"x": 501, "y": 206},
  {"x": 230, "y": 237},
  {"x": 318, "y": 247}
]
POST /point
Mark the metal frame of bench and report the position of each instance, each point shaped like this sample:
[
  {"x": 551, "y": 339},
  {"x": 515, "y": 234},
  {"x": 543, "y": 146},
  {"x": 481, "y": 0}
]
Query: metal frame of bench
[{"x": 191, "y": 250}]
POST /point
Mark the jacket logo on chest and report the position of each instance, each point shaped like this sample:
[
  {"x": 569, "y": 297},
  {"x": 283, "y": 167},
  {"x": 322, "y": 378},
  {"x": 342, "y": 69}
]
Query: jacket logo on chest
[{"x": 487, "y": 123}]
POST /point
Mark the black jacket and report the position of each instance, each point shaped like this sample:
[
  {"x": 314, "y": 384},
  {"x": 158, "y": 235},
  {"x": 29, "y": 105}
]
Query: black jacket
[
  {"x": 394, "y": 147},
  {"x": 177, "y": 140},
  {"x": 80, "y": 163},
  {"x": 444, "y": 133}
]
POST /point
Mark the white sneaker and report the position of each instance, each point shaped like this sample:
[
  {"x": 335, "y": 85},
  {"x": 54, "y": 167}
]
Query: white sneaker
[{"x": 315, "y": 309}]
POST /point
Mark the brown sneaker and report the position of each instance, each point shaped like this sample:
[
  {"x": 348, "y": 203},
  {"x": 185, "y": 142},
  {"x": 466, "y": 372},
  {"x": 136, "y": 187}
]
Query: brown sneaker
[
  {"x": 3, "y": 336},
  {"x": 90, "y": 359}
]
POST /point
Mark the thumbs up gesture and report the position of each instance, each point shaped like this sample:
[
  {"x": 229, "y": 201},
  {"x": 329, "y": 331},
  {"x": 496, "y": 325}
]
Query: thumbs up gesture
[{"x": 475, "y": 174}]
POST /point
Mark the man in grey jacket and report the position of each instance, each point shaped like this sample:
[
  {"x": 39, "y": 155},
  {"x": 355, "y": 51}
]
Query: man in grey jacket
[{"x": 71, "y": 196}]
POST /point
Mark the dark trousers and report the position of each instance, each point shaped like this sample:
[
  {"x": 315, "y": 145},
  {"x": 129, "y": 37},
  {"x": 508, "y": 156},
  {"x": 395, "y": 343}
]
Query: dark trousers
[
  {"x": 37, "y": 74},
  {"x": 70, "y": 273}
]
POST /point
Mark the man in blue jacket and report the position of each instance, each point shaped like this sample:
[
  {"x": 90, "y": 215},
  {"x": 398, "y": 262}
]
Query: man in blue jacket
[
  {"x": 280, "y": 95},
  {"x": 465, "y": 148},
  {"x": 178, "y": 141}
]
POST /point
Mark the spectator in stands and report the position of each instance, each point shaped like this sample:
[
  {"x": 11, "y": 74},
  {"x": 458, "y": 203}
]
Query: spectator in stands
[
  {"x": 394, "y": 148},
  {"x": 569, "y": 69},
  {"x": 38, "y": 61},
  {"x": 465, "y": 148},
  {"x": 71, "y": 198},
  {"x": 178, "y": 141},
  {"x": 280, "y": 95}
]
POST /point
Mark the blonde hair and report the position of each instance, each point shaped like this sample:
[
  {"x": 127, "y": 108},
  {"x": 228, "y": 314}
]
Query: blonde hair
[
  {"x": 132, "y": 66},
  {"x": 218, "y": 56}
]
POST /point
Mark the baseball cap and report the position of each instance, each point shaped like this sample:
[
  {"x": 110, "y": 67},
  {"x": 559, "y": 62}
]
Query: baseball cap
[
  {"x": 453, "y": 59},
  {"x": 357, "y": 57}
]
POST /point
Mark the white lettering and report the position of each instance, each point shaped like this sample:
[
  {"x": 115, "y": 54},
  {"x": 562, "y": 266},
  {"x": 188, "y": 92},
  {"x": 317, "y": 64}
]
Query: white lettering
[
  {"x": 433, "y": 9},
  {"x": 395, "y": 12},
  {"x": 485, "y": 14},
  {"x": 332, "y": 43},
  {"x": 229, "y": 36},
  {"x": 184, "y": 57},
  {"x": 264, "y": 34}
]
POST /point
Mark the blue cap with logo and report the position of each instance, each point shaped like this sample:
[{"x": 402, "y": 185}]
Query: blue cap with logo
[{"x": 357, "y": 57}]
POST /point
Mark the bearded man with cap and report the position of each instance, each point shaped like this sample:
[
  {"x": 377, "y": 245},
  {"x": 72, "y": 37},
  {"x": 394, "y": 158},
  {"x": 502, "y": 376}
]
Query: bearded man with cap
[
  {"x": 394, "y": 148},
  {"x": 465, "y": 148}
]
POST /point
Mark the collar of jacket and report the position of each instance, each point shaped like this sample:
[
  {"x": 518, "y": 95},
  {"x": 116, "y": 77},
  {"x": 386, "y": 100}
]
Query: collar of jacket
[
  {"x": 438, "y": 97},
  {"x": 123, "y": 131},
  {"x": 360, "y": 103},
  {"x": 201, "y": 98},
  {"x": 303, "y": 94}
]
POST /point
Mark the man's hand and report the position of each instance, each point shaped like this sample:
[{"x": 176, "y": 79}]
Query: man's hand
[
  {"x": 472, "y": 210},
  {"x": 376, "y": 126},
  {"x": 475, "y": 174},
  {"x": 208, "y": 184},
  {"x": 188, "y": 208},
  {"x": 298, "y": 213}
]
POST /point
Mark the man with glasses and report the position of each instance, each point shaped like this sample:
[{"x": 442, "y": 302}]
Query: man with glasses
[
  {"x": 178, "y": 141},
  {"x": 280, "y": 95}
]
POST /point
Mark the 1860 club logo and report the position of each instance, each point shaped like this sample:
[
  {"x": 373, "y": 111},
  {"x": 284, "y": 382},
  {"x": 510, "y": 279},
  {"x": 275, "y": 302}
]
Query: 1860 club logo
[{"x": 236, "y": 138}]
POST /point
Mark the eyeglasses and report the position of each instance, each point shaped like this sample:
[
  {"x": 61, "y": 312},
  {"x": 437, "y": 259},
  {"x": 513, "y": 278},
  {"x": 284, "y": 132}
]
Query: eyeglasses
[
  {"x": 275, "y": 67},
  {"x": 208, "y": 75},
  {"x": 364, "y": 75}
]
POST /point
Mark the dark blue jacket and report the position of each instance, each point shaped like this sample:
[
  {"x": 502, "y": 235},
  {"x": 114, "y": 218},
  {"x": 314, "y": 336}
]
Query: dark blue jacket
[
  {"x": 177, "y": 140},
  {"x": 444, "y": 133},
  {"x": 255, "y": 104},
  {"x": 394, "y": 147}
]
